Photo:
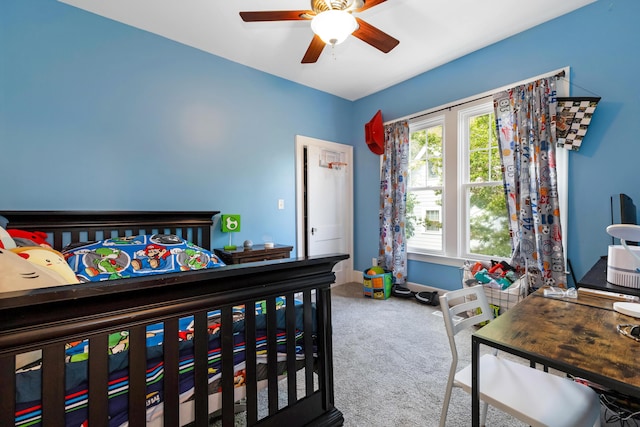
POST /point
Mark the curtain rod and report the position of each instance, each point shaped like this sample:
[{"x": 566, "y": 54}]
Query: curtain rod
[{"x": 558, "y": 75}]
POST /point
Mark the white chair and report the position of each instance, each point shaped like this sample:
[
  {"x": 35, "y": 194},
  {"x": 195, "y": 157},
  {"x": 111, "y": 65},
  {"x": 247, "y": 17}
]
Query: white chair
[{"x": 532, "y": 396}]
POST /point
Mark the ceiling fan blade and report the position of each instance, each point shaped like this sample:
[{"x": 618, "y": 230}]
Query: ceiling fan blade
[
  {"x": 368, "y": 4},
  {"x": 313, "y": 51},
  {"x": 375, "y": 37},
  {"x": 277, "y": 15}
]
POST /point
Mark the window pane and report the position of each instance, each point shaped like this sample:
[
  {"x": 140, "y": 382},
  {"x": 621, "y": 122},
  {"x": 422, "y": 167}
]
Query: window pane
[
  {"x": 488, "y": 222},
  {"x": 434, "y": 176},
  {"x": 418, "y": 159},
  {"x": 425, "y": 164},
  {"x": 424, "y": 219},
  {"x": 432, "y": 220},
  {"x": 434, "y": 153},
  {"x": 484, "y": 157}
]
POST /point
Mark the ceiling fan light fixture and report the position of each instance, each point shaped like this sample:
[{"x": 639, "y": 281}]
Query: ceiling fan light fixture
[{"x": 333, "y": 26}]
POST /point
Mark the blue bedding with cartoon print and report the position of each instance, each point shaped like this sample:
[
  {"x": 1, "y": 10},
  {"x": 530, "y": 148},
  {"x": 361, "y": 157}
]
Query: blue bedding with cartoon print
[
  {"x": 29, "y": 378},
  {"x": 135, "y": 256}
]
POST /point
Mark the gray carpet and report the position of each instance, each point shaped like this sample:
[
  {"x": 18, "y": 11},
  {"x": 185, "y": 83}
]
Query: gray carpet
[{"x": 391, "y": 361}]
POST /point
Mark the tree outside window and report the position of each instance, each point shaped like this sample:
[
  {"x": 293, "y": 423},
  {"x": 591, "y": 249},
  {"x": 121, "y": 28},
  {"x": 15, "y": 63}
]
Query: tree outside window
[
  {"x": 487, "y": 208},
  {"x": 425, "y": 186},
  {"x": 470, "y": 151}
]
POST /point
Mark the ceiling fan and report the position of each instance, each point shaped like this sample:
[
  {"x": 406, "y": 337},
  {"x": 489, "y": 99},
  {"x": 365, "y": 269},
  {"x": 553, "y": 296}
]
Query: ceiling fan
[{"x": 334, "y": 16}]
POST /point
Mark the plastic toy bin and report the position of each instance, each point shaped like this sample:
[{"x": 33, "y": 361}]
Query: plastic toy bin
[{"x": 377, "y": 286}]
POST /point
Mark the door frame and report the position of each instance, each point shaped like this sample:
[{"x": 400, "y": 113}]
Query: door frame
[{"x": 301, "y": 142}]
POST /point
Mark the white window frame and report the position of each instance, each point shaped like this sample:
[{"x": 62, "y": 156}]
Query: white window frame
[
  {"x": 465, "y": 113},
  {"x": 436, "y": 120},
  {"x": 455, "y": 250}
]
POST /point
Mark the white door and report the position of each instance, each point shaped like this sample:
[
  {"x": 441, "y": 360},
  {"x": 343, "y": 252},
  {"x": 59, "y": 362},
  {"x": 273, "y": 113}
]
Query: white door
[{"x": 325, "y": 220}]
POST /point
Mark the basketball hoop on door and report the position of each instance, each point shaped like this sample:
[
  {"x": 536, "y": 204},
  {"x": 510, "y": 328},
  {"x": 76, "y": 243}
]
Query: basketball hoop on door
[
  {"x": 337, "y": 165},
  {"x": 332, "y": 160}
]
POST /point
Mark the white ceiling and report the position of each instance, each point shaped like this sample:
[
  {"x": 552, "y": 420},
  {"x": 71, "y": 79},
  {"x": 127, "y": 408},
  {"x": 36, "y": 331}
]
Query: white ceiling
[{"x": 431, "y": 33}]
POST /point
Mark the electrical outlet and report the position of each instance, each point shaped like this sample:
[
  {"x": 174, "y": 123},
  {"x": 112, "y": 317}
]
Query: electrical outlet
[
  {"x": 374, "y": 262},
  {"x": 280, "y": 204}
]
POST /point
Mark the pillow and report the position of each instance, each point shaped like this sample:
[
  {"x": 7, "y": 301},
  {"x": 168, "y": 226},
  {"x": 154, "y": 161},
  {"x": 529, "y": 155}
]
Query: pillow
[
  {"x": 48, "y": 258},
  {"x": 135, "y": 256},
  {"x": 19, "y": 274}
]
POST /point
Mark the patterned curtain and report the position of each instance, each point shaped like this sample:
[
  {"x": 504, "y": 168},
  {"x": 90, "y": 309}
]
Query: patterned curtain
[
  {"x": 393, "y": 188},
  {"x": 525, "y": 121}
]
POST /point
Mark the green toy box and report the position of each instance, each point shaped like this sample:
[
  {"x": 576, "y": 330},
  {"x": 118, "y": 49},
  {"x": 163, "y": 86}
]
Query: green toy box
[{"x": 377, "y": 286}]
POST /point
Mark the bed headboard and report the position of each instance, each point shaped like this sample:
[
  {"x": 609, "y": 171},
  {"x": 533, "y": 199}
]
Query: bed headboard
[{"x": 64, "y": 227}]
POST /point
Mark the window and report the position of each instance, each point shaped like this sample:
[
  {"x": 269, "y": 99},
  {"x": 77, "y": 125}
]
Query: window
[
  {"x": 455, "y": 202},
  {"x": 460, "y": 201},
  {"x": 484, "y": 204},
  {"x": 432, "y": 220},
  {"x": 424, "y": 204}
]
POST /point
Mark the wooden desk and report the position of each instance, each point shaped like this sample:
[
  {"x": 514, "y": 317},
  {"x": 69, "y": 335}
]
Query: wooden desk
[
  {"x": 256, "y": 253},
  {"x": 576, "y": 336}
]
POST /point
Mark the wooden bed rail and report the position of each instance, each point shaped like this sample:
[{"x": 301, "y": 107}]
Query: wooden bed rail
[
  {"x": 45, "y": 320},
  {"x": 73, "y": 226},
  {"x": 41, "y": 320}
]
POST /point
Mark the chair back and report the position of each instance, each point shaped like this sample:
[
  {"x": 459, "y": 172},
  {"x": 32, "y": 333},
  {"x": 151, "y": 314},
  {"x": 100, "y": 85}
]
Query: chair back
[{"x": 471, "y": 305}]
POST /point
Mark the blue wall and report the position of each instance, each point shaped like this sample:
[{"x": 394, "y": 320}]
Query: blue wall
[
  {"x": 98, "y": 115},
  {"x": 600, "y": 43},
  {"x": 95, "y": 114}
]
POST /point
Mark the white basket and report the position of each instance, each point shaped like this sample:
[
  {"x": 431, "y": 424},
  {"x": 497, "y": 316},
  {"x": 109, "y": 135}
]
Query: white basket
[{"x": 504, "y": 299}]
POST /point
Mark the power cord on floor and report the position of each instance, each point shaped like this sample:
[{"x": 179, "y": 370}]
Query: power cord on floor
[
  {"x": 619, "y": 409},
  {"x": 615, "y": 413}
]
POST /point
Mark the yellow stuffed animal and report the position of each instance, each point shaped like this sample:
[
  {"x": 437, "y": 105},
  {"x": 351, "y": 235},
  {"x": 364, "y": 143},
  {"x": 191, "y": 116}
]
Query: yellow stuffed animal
[
  {"x": 48, "y": 258},
  {"x": 18, "y": 274}
]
